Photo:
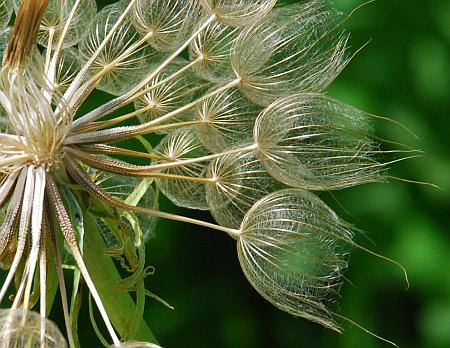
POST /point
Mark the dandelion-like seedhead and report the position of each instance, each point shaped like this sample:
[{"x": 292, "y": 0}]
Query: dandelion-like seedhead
[
  {"x": 234, "y": 90},
  {"x": 20, "y": 328}
]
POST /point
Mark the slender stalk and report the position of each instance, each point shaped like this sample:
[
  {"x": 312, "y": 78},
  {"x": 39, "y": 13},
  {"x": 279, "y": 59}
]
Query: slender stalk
[
  {"x": 20, "y": 290},
  {"x": 122, "y": 168},
  {"x": 48, "y": 53},
  {"x": 182, "y": 177},
  {"x": 25, "y": 219},
  {"x": 125, "y": 99},
  {"x": 104, "y": 124},
  {"x": 101, "y": 125},
  {"x": 122, "y": 133},
  {"x": 6, "y": 187},
  {"x": 98, "y": 113},
  {"x": 68, "y": 95},
  {"x": 81, "y": 178},
  {"x": 5, "y": 162},
  {"x": 130, "y": 169},
  {"x": 52, "y": 70},
  {"x": 160, "y": 166},
  {"x": 169, "y": 126},
  {"x": 23, "y": 228},
  {"x": 111, "y": 150},
  {"x": 36, "y": 227}
]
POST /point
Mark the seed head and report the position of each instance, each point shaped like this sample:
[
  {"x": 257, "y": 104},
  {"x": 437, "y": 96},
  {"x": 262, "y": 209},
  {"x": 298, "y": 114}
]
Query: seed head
[{"x": 233, "y": 91}]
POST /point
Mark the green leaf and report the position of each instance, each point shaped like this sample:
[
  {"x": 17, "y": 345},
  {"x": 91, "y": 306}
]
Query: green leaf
[{"x": 119, "y": 305}]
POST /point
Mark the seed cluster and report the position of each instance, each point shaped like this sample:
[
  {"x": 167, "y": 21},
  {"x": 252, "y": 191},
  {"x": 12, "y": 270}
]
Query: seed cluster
[{"x": 234, "y": 89}]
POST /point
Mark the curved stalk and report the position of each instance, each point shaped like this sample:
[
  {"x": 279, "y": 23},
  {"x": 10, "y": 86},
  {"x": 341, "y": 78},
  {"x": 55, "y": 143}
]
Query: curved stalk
[
  {"x": 125, "y": 99},
  {"x": 122, "y": 133},
  {"x": 81, "y": 178},
  {"x": 130, "y": 169}
]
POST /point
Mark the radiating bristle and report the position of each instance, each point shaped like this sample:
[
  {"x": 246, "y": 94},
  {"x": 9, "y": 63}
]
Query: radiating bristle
[
  {"x": 179, "y": 145},
  {"x": 298, "y": 48},
  {"x": 239, "y": 181},
  {"x": 123, "y": 60},
  {"x": 314, "y": 142},
  {"x": 238, "y": 12},
  {"x": 165, "y": 24},
  {"x": 293, "y": 250},
  {"x": 226, "y": 120}
]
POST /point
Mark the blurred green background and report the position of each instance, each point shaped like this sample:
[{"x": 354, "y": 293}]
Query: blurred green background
[{"x": 403, "y": 74}]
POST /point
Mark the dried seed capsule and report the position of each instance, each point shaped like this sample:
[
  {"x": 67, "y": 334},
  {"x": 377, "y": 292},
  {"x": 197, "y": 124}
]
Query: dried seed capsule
[
  {"x": 238, "y": 12},
  {"x": 314, "y": 142},
  {"x": 293, "y": 250}
]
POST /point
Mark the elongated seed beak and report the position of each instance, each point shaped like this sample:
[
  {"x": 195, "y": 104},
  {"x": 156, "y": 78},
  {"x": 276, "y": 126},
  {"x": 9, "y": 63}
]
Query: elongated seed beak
[{"x": 25, "y": 31}]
